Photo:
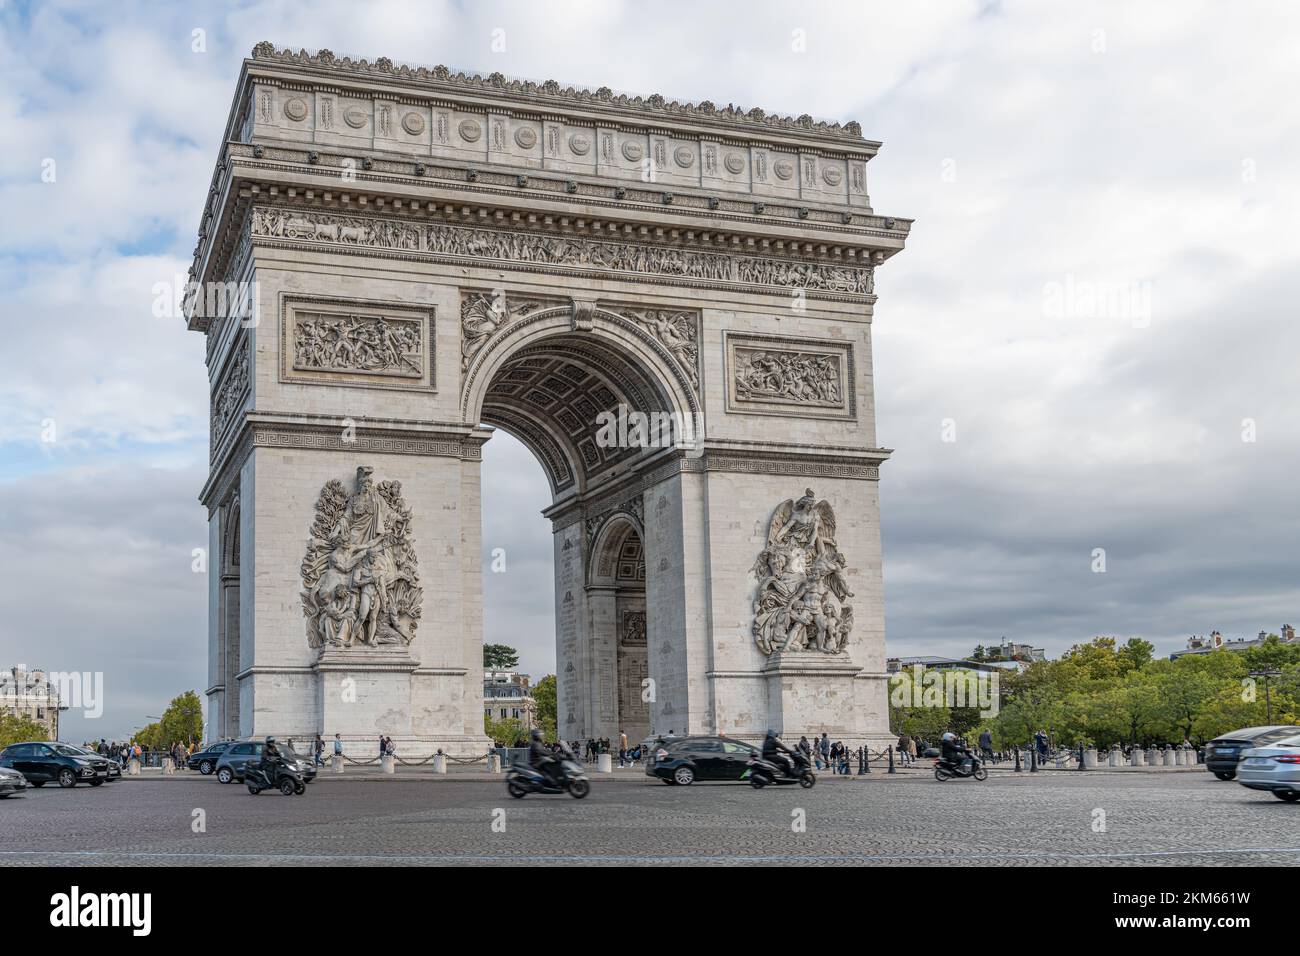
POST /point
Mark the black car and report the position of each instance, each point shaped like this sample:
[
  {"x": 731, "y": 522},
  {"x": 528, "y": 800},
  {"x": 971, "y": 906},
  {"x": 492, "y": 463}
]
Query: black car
[
  {"x": 205, "y": 760},
  {"x": 687, "y": 759},
  {"x": 1223, "y": 753},
  {"x": 114, "y": 766},
  {"x": 42, "y": 762}
]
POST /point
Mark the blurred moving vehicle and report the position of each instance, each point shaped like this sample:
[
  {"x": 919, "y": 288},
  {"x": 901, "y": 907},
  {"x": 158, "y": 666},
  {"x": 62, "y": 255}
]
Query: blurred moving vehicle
[
  {"x": 1274, "y": 767},
  {"x": 1223, "y": 753},
  {"x": 241, "y": 753},
  {"x": 286, "y": 779},
  {"x": 764, "y": 772},
  {"x": 684, "y": 760},
  {"x": 11, "y": 782},
  {"x": 569, "y": 778},
  {"x": 205, "y": 760},
  {"x": 114, "y": 766},
  {"x": 42, "y": 761}
]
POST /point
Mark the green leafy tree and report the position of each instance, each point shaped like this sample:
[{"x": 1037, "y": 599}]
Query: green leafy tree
[
  {"x": 1135, "y": 654},
  {"x": 500, "y": 657},
  {"x": 507, "y": 733},
  {"x": 182, "y": 721},
  {"x": 15, "y": 730},
  {"x": 546, "y": 706}
]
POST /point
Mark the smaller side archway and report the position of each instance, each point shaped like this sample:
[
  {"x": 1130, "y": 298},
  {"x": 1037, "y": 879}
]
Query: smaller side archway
[{"x": 617, "y": 630}]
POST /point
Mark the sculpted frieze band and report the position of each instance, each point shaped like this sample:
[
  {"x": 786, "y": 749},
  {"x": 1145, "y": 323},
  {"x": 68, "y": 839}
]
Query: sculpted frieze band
[{"x": 539, "y": 249}]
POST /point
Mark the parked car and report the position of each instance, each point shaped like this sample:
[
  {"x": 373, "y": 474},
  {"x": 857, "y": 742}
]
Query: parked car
[
  {"x": 1223, "y": 753},
  {"x": 205, "y": 760},
  {"x": 1274, "y": 767},
  {"x": 683, "y": 761},
  {"x": 240, "y": 753},
  {"x": 44, "y": 761},
  {"x": 11, "y": 782}
]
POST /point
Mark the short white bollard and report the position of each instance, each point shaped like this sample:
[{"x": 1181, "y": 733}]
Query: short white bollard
[
  {"x": 1060, "y": 760},
  {"x": 336, "y": 763},
  {"x": 1183, "y": 754},
  {"x": 1170, "y": 757},
  {"x": 389, "y": 763},
  {"x": 494, "y": 763},
  {"x": 133, "y": 767},
  {"x": 440, "y": 763},
  {"x": 168, "y": 766},
  {"x": 604, "y": 763},
  {"x": 1116, "y": 757},
  {"x": 1136, "y": 758},
  {"x": 1090, "y": 758}
]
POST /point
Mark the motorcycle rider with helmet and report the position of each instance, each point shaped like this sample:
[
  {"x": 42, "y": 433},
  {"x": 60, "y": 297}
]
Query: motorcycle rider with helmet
[
  {"x": 774, "y": 752},
  {"x": 954, "y": 751},
  {"x": 271, "y": 758},
  {"x": 541, "y": 759}
]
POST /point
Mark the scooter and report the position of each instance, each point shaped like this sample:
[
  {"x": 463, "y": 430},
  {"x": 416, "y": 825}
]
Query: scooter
[
  {"x": 763, "y": 772},
  {"x": 287, "y": 780},
  {"x": 523, "y": 779},
  {"x": 972, "y": 766}
]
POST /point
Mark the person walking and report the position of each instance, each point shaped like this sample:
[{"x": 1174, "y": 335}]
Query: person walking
[
  {"x": 986, "y": 746},
  {"x": 318, "y": 748},
  {"x": 903, "y": 745},
  {"x": 824, "y": 748}
]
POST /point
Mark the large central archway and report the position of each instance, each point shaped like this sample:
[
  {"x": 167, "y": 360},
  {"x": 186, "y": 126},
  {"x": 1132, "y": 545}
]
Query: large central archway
[{"x": 551, "y": 385}]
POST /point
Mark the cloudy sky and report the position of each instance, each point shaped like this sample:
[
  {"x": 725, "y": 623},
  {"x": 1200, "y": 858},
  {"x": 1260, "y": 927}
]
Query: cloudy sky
[{"x": 1090, "y": 342}]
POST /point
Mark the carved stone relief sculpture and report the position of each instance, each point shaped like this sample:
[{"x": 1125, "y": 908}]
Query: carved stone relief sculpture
[
  {"x": 483, "y": 314},
  {"x": 802, "y": 378},
  {"x": 676, "y": 331},
  {"x": 802, "y": 590},
  {"x": 360, "y": 581},
  {"x": 357, "y": 343}
]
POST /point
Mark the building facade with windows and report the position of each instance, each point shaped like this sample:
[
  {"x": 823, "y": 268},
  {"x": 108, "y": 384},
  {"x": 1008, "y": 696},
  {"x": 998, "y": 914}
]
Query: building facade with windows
[
  {"x": 508, "y": 695},
  {"x": 30, "y": 694}
]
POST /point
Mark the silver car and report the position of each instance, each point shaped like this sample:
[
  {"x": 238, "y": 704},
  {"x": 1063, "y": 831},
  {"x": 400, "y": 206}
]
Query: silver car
[
  {"x": 1274, "y": 767},
  {"x": 11, "y": 782}
]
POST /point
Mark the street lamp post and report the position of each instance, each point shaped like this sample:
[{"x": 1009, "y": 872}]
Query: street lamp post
[{"x": 1268, "y": 697}]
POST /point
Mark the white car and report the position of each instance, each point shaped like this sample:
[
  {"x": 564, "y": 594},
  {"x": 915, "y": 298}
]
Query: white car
[{"x": 1275, "y": 767}]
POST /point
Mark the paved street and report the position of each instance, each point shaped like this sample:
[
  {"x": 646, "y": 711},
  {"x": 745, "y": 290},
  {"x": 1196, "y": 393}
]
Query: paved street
[{"x": 1045, "y": 819}]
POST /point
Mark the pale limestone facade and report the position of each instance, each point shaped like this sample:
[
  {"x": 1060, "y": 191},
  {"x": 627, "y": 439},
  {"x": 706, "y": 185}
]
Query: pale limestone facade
[{"x": 425, "y": 256}]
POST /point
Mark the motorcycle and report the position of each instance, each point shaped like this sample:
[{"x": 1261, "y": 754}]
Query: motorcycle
[
  {"x": 523, "y": 779},
  {"x": 944, "y": 770},
  {"x": 764, "y": 772},
  {"x": 286, "y": 779}
]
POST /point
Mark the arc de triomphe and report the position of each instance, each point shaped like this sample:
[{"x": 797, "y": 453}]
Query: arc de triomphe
[{"x": 669, "y": 304}]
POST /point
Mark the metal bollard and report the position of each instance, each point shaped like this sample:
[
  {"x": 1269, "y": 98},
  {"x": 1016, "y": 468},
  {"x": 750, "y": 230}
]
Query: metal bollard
[
  {"x": 1019, "y": 769},
  {"x": 1033, "y": 760},
  {"x": 891, "y": 759},
  {"x": 861, "y": 769},
  {"x": 1081, "y": 753},
  {"x": 866, "y": 751}
]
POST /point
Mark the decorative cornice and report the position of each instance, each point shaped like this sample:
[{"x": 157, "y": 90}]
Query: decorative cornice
[{"x": 737, "y": 119}]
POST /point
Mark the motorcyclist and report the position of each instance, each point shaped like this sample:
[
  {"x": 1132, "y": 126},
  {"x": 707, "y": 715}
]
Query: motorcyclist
[
  {"x": 775, "y": 751},
  {"x": 953, "y": 750},
  {"x": 271, "y": 758},
  {"x": 540, "y": 757}
]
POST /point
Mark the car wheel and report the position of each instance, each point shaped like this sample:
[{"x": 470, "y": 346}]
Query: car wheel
[
  {"x": 1224, "y": 774},
  {"x": 205, "y": 767},
  {"x": 67, "y": 778},
  {"x": 225, "y": 775},
  {"x": 1290, "y": 796},
  {"x": 684, "y": 776}
]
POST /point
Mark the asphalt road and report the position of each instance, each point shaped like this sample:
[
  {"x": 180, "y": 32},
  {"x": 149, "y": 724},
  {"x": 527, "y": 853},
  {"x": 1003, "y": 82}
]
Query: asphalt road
[{"x": 1049, "y": 819}]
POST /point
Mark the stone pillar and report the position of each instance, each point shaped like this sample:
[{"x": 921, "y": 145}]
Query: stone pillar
[
  {"x": 133, "y": 767},
  {"x": 494, "y": 763},
  {"x": 1116, "y": 756},
  {"x": 168, "y": 766},
  {"x": 1137, "y": 757},
  {"x": 1090, "y": 758},
  {"x": 440, "y": 763},
  {"x": 388, "y": 763},
  {"x": 1169, "y": 756},
  {"x": 336, "y": 763},
  {"x": 604, "y": 763}
]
